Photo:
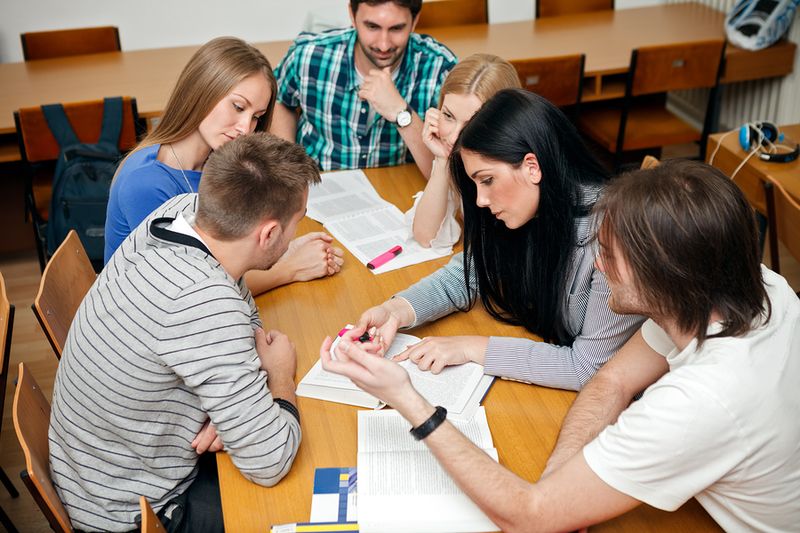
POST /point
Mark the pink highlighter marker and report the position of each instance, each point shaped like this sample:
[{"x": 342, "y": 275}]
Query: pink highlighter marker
[{"x": 384, "y": 257}]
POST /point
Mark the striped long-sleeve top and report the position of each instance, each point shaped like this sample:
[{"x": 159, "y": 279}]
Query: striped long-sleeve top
[
  {"x": 163, "y": 341},
  {"x": 598, "y": 332}
]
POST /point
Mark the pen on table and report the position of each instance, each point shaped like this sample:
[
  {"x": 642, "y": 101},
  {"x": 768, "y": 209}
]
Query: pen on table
[{"x": 385, "y": 257}]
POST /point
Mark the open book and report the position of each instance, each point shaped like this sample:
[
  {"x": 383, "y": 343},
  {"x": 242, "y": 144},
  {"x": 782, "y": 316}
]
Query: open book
[
  {"x": 402, "y": 487},
  {"x": 459, "y": 389},
  {"x": 353, "y": 212}
]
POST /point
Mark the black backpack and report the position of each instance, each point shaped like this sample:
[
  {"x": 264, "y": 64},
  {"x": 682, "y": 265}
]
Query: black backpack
[{"x": 82, "y": 179}]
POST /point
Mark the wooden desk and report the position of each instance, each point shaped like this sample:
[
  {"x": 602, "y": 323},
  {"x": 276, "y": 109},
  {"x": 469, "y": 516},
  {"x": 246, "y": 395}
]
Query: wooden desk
[
  {"x": 606, "y": 37},
  {"x": 524, "y": 419},
  {"x": 755, "y": 171}
]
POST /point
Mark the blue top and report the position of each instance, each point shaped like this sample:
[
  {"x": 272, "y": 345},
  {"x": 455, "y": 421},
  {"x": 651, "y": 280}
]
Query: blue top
[{"x": 141, "y": 185}]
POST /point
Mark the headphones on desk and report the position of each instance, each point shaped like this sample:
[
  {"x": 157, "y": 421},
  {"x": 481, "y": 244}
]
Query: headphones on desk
[{"x": 764, "y": 138}]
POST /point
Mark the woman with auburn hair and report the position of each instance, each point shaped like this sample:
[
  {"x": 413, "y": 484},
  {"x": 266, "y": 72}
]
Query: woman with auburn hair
[
  {"x": 528, "y": 185},
  {"x": 472, "y": 82},
  {"x": 227, "y": 89}
]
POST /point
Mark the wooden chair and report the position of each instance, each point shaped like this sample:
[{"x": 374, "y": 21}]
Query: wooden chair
[
  {"x": 437, "y": 13},
  {"x": 641, "y": 120},
  {"x": 559, "y": 79},
  {"x": 65, "y": 281},
  {"x": 555, "y": 8},
  {"x": 6, "y": 327},
  {"x": 39, "y": 150},
  {"x": 63, "y": 43},
  {"x": 783, "y": 222},
  {"x": 150, "y": 522},
  {"x": 32, "y": 420}
]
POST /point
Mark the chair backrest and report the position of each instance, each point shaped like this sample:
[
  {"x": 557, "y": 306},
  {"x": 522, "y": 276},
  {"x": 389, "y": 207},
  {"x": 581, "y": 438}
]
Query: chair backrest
[
  {"x": 150, "y": 522},
  {"x": 65, "y": 281},
  {"x": 73, "y": 42},
  {"x": 783, "y": 222},
  {"x": 6, "y": 327},
  {"x": 31, "y": 421},
  {"x": 37, "y": 143},
  {"x": 559, "y": 79},
  {"x": 554, "y": 8},
  {"x": 672, "y": 67},
  {"x": 451, "y": 13}
]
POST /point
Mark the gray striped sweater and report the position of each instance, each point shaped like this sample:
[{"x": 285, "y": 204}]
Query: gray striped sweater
[{"x": 163, "y": 341}]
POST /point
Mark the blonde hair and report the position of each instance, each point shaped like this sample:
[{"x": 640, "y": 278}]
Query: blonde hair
[
  {"x": 482, "y": 75},
  {"x": 212, "y": 72}
]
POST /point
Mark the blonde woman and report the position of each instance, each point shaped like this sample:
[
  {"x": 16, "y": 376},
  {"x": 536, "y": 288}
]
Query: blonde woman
[
  {"x": 471, "y": 83},
  {"x": 226, "y": 90}
]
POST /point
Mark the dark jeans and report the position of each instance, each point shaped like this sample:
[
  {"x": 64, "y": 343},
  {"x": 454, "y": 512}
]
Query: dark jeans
[{"x": 199, "y": 508}]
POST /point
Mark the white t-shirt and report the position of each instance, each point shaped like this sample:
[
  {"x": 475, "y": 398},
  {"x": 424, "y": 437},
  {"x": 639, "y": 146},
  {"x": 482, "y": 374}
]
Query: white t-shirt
[{"x": 722, "y": 425}]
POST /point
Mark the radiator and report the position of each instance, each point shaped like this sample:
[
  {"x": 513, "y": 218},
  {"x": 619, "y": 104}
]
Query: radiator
[{"x": 776, "y": 100}]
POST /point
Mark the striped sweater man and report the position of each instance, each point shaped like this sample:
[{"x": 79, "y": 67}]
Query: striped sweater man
[{"x": 163, "y": 341}]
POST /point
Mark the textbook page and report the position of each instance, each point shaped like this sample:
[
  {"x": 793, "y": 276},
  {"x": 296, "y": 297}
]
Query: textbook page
[
  {"x": 348, "y": 191},
  {"x": 401, "y": 485},
  {"x": 350, "y": 208},
  {"x": 459, "y": 389}
]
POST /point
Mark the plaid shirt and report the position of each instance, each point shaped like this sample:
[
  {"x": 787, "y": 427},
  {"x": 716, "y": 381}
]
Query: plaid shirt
[{"x": 318, "y": 74}]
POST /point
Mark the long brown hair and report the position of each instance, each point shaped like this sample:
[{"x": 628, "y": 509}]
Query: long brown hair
[
  {"x": 480, "y": 74},
  {"x": 212, "y": 72},
  {"x": 689, "y": 237}
]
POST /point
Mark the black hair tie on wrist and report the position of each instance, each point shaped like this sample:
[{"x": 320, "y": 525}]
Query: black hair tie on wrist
[{"x": 427, "y": 427}]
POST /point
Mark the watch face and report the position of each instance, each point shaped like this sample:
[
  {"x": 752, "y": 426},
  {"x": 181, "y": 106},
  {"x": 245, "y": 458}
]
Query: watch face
[{"x": 403, "y": 119}]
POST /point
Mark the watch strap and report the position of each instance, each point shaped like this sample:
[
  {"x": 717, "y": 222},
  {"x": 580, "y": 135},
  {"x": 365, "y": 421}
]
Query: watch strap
[{"x": 427, "y": 427}]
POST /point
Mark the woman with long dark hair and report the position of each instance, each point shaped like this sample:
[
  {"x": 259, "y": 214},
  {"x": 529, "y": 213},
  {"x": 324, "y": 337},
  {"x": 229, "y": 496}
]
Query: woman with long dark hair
[{"x": 528, "y": 185}]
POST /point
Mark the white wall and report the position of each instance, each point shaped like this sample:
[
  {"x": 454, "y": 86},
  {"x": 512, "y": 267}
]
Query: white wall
[
  {"x": 511, "y": 10},
  {"x": 162, "y": 23}
]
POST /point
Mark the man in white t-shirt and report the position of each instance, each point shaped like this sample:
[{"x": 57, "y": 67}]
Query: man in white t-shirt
[{"x": 718, "y": 364}]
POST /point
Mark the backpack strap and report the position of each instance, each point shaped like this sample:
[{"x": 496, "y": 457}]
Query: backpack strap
[
  {"x": 59, "y": 125},
  {"x": 62, "y": 130},
  {"x": 112, "y": 120}
]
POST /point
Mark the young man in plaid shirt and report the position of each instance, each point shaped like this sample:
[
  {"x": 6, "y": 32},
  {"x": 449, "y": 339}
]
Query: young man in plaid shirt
[{"x": 354, "y": 97}]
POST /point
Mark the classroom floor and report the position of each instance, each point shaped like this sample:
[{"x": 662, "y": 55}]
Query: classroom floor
[{"x": 21, "y": 273}]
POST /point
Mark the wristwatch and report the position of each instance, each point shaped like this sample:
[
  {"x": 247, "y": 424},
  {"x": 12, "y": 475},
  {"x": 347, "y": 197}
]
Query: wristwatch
[{"x": 404, "y": 117}]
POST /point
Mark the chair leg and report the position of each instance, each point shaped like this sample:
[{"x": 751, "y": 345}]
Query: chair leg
[
  {"x": 36, "y": 222},
  {"x": 12, "y": 490},
  {"x": 6, "y": 521},
  {"x": 772, "y": 228},
  {"x": 40, "y": 245}
]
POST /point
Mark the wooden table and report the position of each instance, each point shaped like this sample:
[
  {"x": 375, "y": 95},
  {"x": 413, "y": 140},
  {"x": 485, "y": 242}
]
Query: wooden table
[
  {"x": 524, "y": 419},
  {"x": 755, "y": 171},
  {"x": 606, "y": 37}
]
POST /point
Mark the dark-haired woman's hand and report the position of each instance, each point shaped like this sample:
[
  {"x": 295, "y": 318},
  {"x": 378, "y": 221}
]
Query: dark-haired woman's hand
[
  {"x": 383, "y": 321},
  {"x": 435, "y": 353},
  {"x": 430, "y": 134}
]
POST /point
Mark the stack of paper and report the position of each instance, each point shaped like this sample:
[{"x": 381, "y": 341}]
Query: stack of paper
[{"x": 350, "y": 208}]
